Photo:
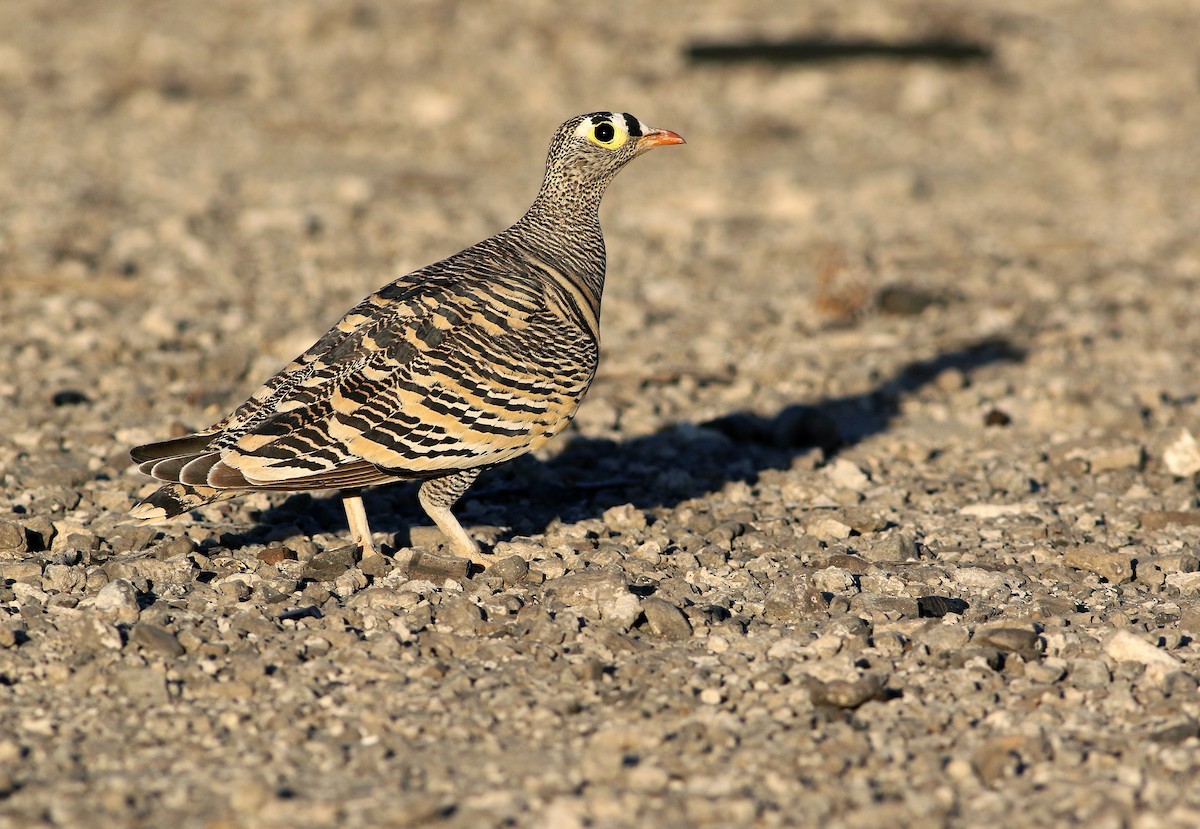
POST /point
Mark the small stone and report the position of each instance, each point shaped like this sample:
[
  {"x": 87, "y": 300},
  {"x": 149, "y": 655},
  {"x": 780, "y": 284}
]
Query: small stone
[
  {"x": 1186, "y": 583},
  {"x": 1088, "y": 673},
  {"x": 906, "y": 300},
  {"x": 429, "y": 537},
  {"x": 597, "y": 595},
  {"x": 63, "y": 578},
  {"x": 117, "y": 602},
  {"x": 1177, "y": 733},
  {"x": 1129, "y": 456},
  {"x": 142, "y": 683},
  {"x": 842, "y": 693},
  {"x": 12, "y": 537},
  {"x": 329, "y": 565},
  {"x": 460, "y": 614},
  {"x": 710, "y": 696},
  {"x": 96, "y": 633},
  {"x": 879, "y": 607},
  {"x": 377, "y": 566},
  {"x": 27, "y": 572},
  {"x": 665, "y": 619},
  {"x": 175, "y": 547},
  {"x": 845, "y": 474},
  {"x": 155, "y": 639},
  {"x": 1182, "y": 457},
  {"x": 895, "y": 546},
  {"x": 827, "y": 529},
  {"x": 941, "y": 638},
  {"x": 510, "y": 570},
  {"x": 998, "y": 758},
  {"x": 935, "y": 607},
  {"x": 1021, "y": 641},
  {"x": 1112, "y": 565},
  {"x": 624, "y": 518},
  {"x": 1123, "y": 646},
  {"x": 69, "y": 397},
  {"x": 131, "y": 539},
  {"x": 1161, "y": 519},
  {"x": 275, "y": 553},
  {"x": 8, "y": 636},
  {"x": 792, "y": 599},
  {"x": 1047, "y": 672},
  {"x": 997, "y": 417}
]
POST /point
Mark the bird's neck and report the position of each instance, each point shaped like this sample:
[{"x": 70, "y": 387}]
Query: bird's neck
[{"x": 564, "y": 229}]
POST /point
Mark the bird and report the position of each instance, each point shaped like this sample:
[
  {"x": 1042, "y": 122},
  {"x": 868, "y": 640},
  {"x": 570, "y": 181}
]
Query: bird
[{"x": 442, "y": 373}]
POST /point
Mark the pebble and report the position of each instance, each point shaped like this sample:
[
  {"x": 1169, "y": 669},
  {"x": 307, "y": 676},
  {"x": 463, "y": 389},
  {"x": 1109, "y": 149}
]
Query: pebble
[
  {"x": 1182, "y": 456},
  {"x": 599, "y": 596},
  {"x": 1112, "y": 565},
  {"x": 895, "y": 546},
  {"x": 665, "y": 619},
  {"x": 155, "y": 639},
  {"x": 510, "y": 570},
  {"x": 850, "y": 694},
  {"x": 1124, "y": 646},
  {"x": 12, "y": 537},
  {"x": 117, "y": 602},
  {"x": 329, "y": 565}
]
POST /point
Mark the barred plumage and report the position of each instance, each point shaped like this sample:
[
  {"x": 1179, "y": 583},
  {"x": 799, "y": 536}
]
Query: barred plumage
[{"x": 446, "y": 371}]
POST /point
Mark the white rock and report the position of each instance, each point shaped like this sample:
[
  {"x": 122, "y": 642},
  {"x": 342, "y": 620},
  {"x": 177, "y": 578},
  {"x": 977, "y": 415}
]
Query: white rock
[
  {"x": 117, "y": 601},
  {"x": 996, "y": 510},
  {"x": 846, "y": 474},
  {"x": 1182, "y": 458},
  {"x": 1124, "y": 646},
  {"x": 1188, "y": 583}
]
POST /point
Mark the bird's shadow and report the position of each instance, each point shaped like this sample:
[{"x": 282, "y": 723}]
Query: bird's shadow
[{"x": 660, "y": 470}]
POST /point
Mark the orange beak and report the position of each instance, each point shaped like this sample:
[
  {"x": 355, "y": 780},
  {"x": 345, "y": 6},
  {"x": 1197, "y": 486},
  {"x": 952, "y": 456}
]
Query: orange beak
[{"x": 659, "y": 138}]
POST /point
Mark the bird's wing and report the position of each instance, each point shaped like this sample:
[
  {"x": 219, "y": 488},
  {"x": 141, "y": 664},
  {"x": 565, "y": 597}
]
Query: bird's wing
[{"x": 437, "y": 372}]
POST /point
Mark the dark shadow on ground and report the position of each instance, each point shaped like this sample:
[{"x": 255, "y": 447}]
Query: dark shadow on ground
[
  {"x": 675, "y": 464},
  {"x": 827, "y": 49}
]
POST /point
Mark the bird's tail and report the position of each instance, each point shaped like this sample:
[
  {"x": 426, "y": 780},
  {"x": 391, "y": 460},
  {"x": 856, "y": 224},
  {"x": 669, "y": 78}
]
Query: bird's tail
[{"x": 175, "y": 499}]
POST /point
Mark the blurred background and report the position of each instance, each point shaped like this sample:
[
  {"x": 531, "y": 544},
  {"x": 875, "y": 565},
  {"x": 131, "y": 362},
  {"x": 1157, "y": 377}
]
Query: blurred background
[{"x": 191, "y": 193}]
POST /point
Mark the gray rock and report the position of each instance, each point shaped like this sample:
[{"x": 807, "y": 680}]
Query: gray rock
[
  {"x": 793, "y": 598},
  {"x": 117, "y": 602},
  {"x": 1112, "y": 565},
  {"x": 12, "y": 537},
  {"x": 329, "y": 565},
  {"x": 510, "y": 570},
  {"x": 893, "y": 547},
  {"x": 841, "y": 693},
  {"x": 1021, "y": 641},
  {"x": 155, "y": 639},
  {"x": 25, "y": 571},
  {"x": 665, "y": 619},
  {"x": 598, "y": 596}
]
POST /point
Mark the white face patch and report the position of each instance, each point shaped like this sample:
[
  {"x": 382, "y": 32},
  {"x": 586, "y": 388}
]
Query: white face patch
[{"x": 609, "y": 130}]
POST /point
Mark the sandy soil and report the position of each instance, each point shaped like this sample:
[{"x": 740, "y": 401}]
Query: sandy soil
[{"x": 881, "y": 512}]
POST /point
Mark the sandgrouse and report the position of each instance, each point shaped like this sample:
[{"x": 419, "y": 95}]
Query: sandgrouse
[{"x": 439, "y": 375}]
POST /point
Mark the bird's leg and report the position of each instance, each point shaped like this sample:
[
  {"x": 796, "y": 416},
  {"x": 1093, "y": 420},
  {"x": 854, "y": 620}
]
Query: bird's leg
[
  {"x": 437, "y": 496},
  {"x": 356, "y": 517}
]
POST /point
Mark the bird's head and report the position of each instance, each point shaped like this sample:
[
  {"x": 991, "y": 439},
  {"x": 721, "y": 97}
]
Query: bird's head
[{"x": 590, "y": 149}]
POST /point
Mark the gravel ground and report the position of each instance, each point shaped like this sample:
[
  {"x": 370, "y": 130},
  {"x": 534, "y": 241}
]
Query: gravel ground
[{"x": 882, "y": 511}]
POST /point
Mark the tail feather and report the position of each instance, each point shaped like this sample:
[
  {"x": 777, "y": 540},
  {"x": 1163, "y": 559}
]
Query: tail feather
[
  {"x": 175, "y": 499},
  {"x": 190, "y": 445}
]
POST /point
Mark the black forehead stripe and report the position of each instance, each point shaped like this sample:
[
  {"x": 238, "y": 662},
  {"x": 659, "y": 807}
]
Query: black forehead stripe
[
  {"x": 635, "y": 126},
  {"x": 599, "y": 117}
]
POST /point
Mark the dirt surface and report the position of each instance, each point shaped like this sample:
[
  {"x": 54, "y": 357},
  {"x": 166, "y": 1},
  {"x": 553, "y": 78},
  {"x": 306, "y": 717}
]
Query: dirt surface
[{"x": 882, "y": 511}]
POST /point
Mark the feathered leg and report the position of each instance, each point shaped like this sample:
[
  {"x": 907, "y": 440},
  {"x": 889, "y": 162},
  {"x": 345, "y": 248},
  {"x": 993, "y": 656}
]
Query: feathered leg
[{"x": 437, "y": 496}]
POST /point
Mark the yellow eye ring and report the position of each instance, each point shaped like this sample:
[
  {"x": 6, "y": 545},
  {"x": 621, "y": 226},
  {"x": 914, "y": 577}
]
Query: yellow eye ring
[{"x": 606, "y": 134}]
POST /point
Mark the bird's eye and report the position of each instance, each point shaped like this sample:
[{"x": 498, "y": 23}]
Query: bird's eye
[{"x": 606, "y": 134}]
